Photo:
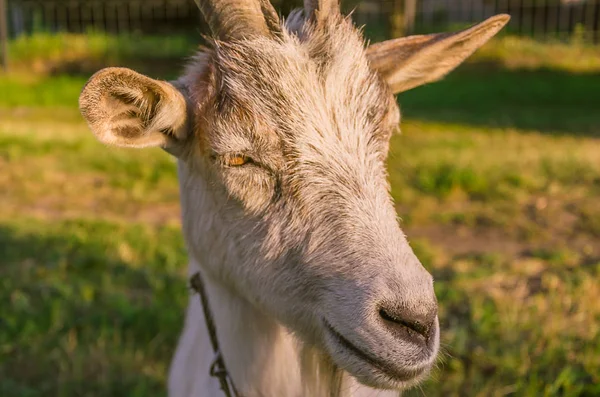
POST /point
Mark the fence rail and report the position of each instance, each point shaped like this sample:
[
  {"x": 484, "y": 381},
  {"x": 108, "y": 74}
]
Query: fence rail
[
  {"x": 113, "y": 16},
  {"x": 540, "y": 18},
  {"x": 544, "y": 19}
]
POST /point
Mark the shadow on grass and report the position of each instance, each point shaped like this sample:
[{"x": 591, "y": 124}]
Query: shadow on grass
[
  {"x": 159, "y": 68},
  {"x": 81, "y": 319},
  {"x": 490, "y": 96}
]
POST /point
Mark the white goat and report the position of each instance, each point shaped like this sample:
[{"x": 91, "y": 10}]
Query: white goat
[{"x": 281, "y": 131}]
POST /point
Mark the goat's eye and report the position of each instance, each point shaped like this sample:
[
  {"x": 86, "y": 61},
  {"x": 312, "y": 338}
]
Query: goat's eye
[{"x": 237, "y": 160}]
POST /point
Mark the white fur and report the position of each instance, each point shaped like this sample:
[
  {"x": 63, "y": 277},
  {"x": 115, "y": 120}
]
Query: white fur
[{"x": 263, "y": 358}]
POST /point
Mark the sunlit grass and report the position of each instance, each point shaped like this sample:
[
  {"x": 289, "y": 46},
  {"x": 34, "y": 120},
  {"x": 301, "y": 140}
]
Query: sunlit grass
[
  {"x": 526, "y": 53},
  {"x": 521, "y": 325},
  {"x": 61, "y": 91},
  {"x": 485, "y": 163},
  {"x": 44, "y": 52}
]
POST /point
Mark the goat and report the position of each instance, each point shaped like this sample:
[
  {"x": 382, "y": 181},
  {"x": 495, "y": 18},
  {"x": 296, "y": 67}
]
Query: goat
[{"x": 281, "y": 133}]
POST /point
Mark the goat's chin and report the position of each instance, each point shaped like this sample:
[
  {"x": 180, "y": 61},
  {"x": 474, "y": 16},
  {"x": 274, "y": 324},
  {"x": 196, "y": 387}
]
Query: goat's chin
[{"x": 373, "y": 372}]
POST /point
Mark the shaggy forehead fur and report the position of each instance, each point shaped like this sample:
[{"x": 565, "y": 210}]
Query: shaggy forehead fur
[{"x": 307, "y": 88}]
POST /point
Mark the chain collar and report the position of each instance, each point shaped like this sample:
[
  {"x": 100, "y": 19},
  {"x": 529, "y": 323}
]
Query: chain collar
[{"x": 217, "y": 368}]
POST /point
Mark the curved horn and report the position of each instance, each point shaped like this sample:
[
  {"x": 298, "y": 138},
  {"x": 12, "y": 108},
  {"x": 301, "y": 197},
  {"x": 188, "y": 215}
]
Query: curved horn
[
  {"x": 271, "y": 16},
  {"x": 234, "y": 19},
  {"x": 320, "y": 9}
]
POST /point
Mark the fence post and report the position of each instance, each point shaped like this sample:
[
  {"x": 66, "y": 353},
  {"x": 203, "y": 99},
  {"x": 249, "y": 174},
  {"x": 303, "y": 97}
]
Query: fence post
[
  {"x": 397, "y": 19},
  {"x": 3, "y": 35},
  {"x": 402, "y": 17},
  {"x": 410, "y": 12}
]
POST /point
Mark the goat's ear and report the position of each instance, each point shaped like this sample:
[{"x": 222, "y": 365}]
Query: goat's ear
[
  {"x": 125, "y": 108},
  {"x": 411, "y": 61}
]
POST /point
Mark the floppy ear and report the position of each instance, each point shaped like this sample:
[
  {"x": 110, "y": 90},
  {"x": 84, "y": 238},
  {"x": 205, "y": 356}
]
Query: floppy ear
[
  {"x": 411, "y": 61},
  {"x": 125, "y": 108}
]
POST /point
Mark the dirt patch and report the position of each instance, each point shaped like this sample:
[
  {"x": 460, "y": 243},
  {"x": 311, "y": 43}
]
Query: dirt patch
[
  {"x": 464, "y": 240},
  {"x": 459, "y": 241}
]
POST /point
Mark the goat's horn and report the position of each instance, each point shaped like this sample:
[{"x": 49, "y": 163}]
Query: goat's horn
[
  {"x": 320, "y": 9},
  {"x": 271, "y": 16},
  {"x": 236, "y": 19}
]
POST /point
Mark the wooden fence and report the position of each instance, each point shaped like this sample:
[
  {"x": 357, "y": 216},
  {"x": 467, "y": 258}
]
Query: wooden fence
[
  {"x": 540, "y": 18},
  {"x": 544, "y": 19},
  {"x": 113, "y": 16}
]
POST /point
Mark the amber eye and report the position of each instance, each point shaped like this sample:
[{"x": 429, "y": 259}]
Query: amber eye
[{"x": 237, "y": 159}]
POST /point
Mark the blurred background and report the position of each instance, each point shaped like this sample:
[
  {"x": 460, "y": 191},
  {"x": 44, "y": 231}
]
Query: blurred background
[{"x": 496, "y": 177}]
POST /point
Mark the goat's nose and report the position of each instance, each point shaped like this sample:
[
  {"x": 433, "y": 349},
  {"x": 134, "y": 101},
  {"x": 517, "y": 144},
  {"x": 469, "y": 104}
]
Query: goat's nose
[{"x": 405, "y": 322}]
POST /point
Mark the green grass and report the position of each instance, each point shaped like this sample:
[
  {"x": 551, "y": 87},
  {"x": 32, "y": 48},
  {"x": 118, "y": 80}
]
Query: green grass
[
  {"x": 90, "y": 307},
  {"x": 544, "y": 100},
  {"x": 48, "y": 46},
  {"x": 60, "y": 91},
  {"x": 522, "y": 326},
  {"x": 573, "y": 56},
  {"x": 67, "y": 52},
  {"x": 495, "y": 175}
]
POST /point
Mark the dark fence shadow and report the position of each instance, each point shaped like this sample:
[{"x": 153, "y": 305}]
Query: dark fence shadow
[{"x": 489, "y": 95}]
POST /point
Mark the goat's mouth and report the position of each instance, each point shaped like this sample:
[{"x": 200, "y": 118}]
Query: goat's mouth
[{"x": 379, "y": 373}]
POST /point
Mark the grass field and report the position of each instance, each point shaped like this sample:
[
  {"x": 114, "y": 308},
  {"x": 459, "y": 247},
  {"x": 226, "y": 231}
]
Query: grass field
[{"x": 496, "y": 176}]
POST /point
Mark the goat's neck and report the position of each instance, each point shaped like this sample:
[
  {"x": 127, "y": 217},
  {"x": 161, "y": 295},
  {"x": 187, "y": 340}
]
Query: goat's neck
[{"x": 262, "y": 357}]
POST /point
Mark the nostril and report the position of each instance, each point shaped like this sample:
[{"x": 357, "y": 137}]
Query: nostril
[{"x": 412, "y": 324}]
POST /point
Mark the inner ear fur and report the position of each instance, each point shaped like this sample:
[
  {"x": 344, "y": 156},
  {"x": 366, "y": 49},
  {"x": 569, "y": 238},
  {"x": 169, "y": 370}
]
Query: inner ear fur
[
  {"x": 125, "y": 108},
  {"x": 409, "y": 62}
]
